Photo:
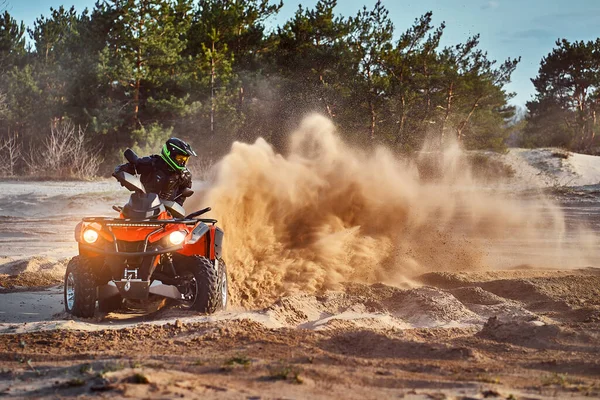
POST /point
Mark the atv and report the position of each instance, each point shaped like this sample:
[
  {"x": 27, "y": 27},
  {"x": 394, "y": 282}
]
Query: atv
[{"x": 153, "y": 248}]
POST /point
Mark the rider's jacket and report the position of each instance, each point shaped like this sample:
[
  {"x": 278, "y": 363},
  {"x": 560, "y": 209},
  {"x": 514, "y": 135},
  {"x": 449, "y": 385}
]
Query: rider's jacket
[{"x": 159, "y": 178}]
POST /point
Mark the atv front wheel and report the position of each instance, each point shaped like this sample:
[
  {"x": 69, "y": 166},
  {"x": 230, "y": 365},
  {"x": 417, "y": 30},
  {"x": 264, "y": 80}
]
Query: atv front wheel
[
  {"x": 205, "y": 285},
  {"x": 80, "y": 288}
]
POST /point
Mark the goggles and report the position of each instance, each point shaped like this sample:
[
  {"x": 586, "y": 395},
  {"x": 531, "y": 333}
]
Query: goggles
[{"x": 181, "y": 159}]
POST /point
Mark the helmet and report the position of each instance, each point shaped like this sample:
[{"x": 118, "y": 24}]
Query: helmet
[{"x": 176, "y": 153}]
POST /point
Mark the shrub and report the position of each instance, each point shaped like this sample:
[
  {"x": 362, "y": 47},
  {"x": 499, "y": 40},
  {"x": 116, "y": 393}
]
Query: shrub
[{"x": 64, "y": 153}]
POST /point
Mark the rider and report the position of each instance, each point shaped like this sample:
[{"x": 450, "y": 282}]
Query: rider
[{"x": 164, "y": 174}]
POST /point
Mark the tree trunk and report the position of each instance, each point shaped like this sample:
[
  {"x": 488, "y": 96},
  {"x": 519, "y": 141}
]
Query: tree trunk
[
  {"x": 449, "y": 98},
  {"x": 427, "y": 92},
  {"x": 212, "y": 90},
  {"x": 373, "y": 119},
  {"x": 136, "y": 99},
  {"x": 582, "y": 130},
  {"x": 593, "y": 134},
  {"x": 464, "y": 123},
  {"x": 402, "y": 123},
  {"x": 327, "y": 107},
  {"x": 371, "y": 105},
  {"x": 241, "y": 101},
  {"x": 138, "y": 65}
]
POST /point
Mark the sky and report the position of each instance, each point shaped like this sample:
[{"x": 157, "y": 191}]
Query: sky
[{"x": 508, "y": 28}]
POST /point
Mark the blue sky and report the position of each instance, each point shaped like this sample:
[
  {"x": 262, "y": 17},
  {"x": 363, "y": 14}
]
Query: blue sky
[{"x": 508, "y": 28}]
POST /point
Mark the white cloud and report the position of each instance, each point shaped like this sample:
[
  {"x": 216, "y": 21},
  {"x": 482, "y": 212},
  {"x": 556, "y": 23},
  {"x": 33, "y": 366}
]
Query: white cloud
[{"x": 490, "y": 5}]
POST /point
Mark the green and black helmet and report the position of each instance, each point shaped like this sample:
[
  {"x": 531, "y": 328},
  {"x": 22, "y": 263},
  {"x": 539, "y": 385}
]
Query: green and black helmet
[{"x": 176, "y": 153}]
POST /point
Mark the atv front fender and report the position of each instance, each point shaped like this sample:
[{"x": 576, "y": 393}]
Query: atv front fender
[{"x": 205, "y": 241}]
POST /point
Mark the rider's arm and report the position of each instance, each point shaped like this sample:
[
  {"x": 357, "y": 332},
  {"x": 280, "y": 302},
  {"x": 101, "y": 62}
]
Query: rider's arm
[
  {"x": 144, "y": 165},
  {"x": 186, "y": 183},
  {"x": 127, "y": 167},
  {"x": 141, "y": 165}
]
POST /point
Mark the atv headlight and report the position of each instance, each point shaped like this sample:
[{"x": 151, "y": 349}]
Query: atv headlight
[
  {"x": 90, "y": 236},
  {"x": 177, "y": 237}
]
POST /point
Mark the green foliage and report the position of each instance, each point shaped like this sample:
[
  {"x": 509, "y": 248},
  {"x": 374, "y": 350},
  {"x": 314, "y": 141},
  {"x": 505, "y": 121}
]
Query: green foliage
[
  {"x": 52, "y": 36},
  {"x": 151, "y": 139},
  {"x": 142, "y": 58},
  {"x": 12, "y": 41},
  {"x": 111, "y": 367},
  {"x": 285, "y": 372},
  {"x": 86, "y": 368},
  {"x": 133, "y": 72},
  {"x": 75, "y": 382},
  {"x": 564, "y": 112},
  {"x": 238, "y": 360},
  {"x": 369, "y": 40}
]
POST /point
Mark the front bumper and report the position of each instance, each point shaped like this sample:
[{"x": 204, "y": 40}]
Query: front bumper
[{"x": 124, "y": 254}]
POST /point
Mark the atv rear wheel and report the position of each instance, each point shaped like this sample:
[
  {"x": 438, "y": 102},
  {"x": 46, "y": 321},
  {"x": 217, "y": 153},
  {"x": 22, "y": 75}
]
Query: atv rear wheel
[
  {"x": 204, "y": 285},
  {"x": 80, "y": 288}
]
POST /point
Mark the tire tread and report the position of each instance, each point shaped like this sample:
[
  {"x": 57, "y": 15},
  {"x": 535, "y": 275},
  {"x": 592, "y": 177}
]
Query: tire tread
[
  {"x": 207, "y": 298},
  {"x": 84, "y": 304}
]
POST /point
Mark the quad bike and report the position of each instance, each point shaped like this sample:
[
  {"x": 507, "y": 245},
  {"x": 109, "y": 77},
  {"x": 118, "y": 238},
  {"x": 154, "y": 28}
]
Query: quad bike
[{"x": 153, "y": 248}]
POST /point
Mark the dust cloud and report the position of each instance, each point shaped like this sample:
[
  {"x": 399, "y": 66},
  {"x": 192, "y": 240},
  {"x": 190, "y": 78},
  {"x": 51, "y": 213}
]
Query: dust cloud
[{"x": 328, "y": 213}]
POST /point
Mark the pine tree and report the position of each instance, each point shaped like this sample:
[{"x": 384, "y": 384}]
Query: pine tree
[
  {"x": 143, "y": 53},
  {"x": 12, "y": 41},
  {"x": 312, "y": 58},
  {"x": 370, "y": 40},
  {"x": 567, "y": 84},
  {"x": 225, "y": 42},
  {"x": 407, "y": 65}
]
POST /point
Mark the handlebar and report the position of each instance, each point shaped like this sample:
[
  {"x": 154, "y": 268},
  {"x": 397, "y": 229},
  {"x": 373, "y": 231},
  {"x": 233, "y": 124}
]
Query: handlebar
[
  {"x": 130, "y": 156},
  {"x": 198, "y": 213}
]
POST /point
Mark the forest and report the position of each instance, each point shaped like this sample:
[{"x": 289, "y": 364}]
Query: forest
[{"x": 79, "y": 86}]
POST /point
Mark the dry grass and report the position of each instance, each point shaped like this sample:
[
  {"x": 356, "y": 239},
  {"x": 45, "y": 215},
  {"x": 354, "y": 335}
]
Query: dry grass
[
  {"x": 139, "y": 379},
  {"x": 64, "y": 153},
  {"x": 285, "y": 372}
]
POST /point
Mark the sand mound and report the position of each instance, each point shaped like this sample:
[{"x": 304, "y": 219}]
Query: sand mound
[
  {"x": 542, "y": 289},
  {"x": 535, "y": 334},
  {"x": 33, "y": 265},
  {"x": 486, "y": 304},
  {"x": 427, "y": 307},
  {"x": 333, "y": 310},
  {"x": 372, "y": 306},
  {"x": 476, "y": 295},
  {"x": 552, "y": 167},
  {"x": 32, "y": 272}
]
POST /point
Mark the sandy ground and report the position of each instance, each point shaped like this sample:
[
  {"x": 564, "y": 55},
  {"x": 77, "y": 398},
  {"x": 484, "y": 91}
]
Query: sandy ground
[
  {"x": 27, "y": 306},
  {"x": 37, "y": 219},
  {"x": 520, "y": 332}
]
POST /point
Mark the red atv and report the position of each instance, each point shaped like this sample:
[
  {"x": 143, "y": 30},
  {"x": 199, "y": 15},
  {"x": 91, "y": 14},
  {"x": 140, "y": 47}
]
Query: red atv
[{"x": 152, "y": 248}]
